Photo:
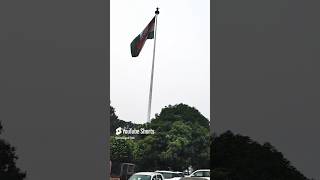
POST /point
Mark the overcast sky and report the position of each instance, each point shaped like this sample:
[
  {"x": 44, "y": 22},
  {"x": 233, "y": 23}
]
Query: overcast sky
[{"x": 182, "y": 65}]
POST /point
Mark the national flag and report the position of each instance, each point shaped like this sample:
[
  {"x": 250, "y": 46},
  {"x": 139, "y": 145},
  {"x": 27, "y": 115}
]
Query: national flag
[{"x": 138, "y": 42}]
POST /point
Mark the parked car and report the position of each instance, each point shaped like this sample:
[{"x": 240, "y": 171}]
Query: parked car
[
  {"x": 172, "y": 175},
  {"x": 203, "y": 173},
  {"x": 178, "y": 175},
  {"x": 121, "y": 171},
  {"x": 186, "y": 173},
  {"x": 147, "y": 176}
]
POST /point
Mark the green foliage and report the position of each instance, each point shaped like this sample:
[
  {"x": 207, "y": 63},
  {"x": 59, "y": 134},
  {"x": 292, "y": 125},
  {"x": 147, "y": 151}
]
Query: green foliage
[
  {"x": 122, "y": 150},
  {"x": 236, "y": 157},
  {"x": 115, "y": 122},
  {"x": 8, "y": 169},
  {"x": 182, "y": 112},
  {"x": 181, "y": 139}
]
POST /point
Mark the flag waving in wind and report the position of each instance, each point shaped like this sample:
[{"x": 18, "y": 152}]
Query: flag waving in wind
[
  {"x": 149, "y": 32},
  {"x": 138, "y": 42}
]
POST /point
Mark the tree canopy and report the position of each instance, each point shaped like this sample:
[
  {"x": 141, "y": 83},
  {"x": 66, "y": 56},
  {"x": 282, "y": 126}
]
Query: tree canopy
[
  {"x": 8, "y": 168},
  {"x": 115, "y": 122},
  {"x": 181, "y": 139}
]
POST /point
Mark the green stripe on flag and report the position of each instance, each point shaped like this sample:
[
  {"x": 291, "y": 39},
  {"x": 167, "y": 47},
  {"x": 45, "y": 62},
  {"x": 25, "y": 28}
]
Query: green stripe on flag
[
  {"x": 134, "y": 50},
  {"x": 138, "y": 42}
]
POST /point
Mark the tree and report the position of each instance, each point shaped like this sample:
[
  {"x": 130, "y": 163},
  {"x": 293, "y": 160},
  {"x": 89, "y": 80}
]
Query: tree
[
  {"x": 8, "y": 169},
  {"x": 115, "y": 122},
  {"x": 165, "y": 150},
  {"x": 237, "y": 157},
  {"x": 181, "y": 140},
  {"x": 121, "y": 150}
]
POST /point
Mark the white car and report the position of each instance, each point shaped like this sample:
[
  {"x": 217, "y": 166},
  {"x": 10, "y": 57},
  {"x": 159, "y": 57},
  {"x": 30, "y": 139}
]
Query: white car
[
  {"x": 178, "y": 175},
  {"x": 171, "y": 175},
  {"x": 203, "y": 173},
  {"x": 147, "y": 176}
]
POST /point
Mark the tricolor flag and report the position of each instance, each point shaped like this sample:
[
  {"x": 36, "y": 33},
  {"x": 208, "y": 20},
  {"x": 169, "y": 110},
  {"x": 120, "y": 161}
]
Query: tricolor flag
[{"x": 138, "y": 42}]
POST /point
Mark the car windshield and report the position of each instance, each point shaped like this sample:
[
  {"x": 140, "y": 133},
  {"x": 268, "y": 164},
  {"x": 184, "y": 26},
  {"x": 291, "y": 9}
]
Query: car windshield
[
  {"x": 140, "y": 177},
  {"x": 206, "y": 173},
  {"x": 167, "y": 175},
  {"x": 202, "y": 174},
  {"x": 178, "y": 175}
]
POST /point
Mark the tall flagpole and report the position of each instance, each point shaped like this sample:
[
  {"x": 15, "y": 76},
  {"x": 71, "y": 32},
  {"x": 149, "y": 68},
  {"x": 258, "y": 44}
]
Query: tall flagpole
[{"x": 152, "y": 69}]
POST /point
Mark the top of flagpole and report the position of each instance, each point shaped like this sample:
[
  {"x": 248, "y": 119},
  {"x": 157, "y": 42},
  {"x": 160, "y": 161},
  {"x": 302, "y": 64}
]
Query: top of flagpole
[{"x": 157, "y": 11}]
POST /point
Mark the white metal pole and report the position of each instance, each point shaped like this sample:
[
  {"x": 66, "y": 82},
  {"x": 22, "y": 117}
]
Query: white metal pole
[{"x": 152, "y": 68}]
